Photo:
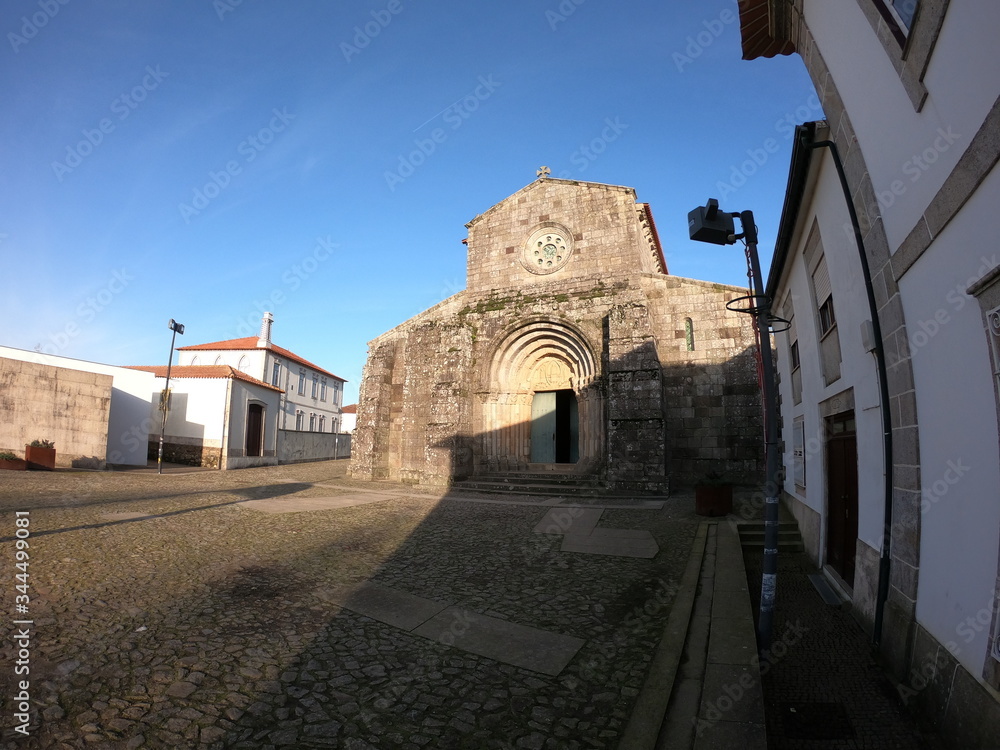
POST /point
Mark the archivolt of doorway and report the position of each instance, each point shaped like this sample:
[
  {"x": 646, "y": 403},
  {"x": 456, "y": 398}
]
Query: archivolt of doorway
[{"x": 542, "y": 404}]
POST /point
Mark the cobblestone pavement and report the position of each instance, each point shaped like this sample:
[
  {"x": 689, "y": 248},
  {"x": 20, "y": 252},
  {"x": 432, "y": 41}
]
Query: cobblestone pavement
[
  {"x": 166, "y": 615},
  {"x": 825, "y": 690}
]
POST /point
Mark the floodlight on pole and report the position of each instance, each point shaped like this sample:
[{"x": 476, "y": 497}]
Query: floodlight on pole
[
  {"x": 165, "y": 396},
  {"x": 708, "y": 224}
]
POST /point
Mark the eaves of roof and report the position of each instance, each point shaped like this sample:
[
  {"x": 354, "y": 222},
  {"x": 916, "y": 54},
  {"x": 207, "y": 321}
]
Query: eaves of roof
[
  {"x": 765, "y": 27},
  {"x": 249, "y": 343},
  {"x": 204, "y": 372},
  {"x": 798, "y": 173}
]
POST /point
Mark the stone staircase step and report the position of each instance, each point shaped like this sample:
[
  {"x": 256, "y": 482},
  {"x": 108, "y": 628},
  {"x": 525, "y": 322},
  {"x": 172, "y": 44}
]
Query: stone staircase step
[
  {"x": 554, "y": 479},
  {"x": 752, "y": 536},
  {"x": 529, "y": 489}
]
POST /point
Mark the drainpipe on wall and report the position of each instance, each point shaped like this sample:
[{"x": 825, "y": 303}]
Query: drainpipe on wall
[{"x": 805, "y": 138}]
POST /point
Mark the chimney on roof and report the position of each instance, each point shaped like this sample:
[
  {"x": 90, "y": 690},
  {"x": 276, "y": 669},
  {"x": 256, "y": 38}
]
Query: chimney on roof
[{"x": 264, "y": 339}]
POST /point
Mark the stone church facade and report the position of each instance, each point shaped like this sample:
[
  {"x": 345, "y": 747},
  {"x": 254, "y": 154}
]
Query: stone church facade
[{"x": 571, "y": 350}]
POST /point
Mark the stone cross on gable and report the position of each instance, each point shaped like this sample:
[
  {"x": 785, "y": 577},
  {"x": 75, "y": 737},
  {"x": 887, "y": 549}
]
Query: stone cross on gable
[{"x": 543, "y": 171}]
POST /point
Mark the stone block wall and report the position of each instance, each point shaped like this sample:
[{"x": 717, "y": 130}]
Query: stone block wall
[
  {"x": 601, "y": 220},
  {"x": 413, "y": 409},
  {"x": 711, "y": 393},
  {"x": 68, "y": 407},
  {"x": 669, "y": 412},
  {"x": 370, "y": 454},
  {"x": 636, "y": 438},
  {"x": 187, "y": 451}
]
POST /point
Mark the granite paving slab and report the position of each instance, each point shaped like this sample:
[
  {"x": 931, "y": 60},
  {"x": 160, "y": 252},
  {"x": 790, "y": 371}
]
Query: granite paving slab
[
  {"x": 391, "y": 606},
  {"x": 569, "y": 521},
  {"x": 616, "y": 542},
  {"x": 507, "y": 642}
]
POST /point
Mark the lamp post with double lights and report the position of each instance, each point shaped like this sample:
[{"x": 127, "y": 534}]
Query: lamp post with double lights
[
  {"x": 165, "y": 400},
  {"x": 708, "y": 224}
]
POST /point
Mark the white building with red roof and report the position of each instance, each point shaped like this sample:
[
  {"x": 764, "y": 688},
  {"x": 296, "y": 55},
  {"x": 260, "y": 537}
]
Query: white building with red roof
[
  {"x": 312, "y": 396},
  {"x": 248, "y": 402},
  {"x": 217, "y": 416}
]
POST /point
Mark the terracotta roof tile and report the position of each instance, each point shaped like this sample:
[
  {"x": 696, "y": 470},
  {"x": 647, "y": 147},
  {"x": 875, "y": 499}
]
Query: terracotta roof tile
[
  {"x": 350, "y": 409},
  {"x": 249, "y": 343},
  {"x": 203, "y": 371}
]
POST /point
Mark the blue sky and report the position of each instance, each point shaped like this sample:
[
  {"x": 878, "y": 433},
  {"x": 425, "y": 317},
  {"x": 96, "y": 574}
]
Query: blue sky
[{"x": 206, "y": 161}]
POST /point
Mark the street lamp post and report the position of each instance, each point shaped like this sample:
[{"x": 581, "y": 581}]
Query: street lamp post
[
  {"x": 708, "y": 224},
  {"x": 165, "y": 400}
]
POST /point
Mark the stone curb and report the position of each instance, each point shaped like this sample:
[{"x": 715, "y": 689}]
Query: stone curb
[{"x": 643, "y": 726}]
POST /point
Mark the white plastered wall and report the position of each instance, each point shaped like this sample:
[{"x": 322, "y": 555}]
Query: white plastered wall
[
  {"x": 961, "y": 91},
  {"x": 197, "y": 408},
  {"x": 960, "y": 475},
  {"x": 857, "y": 369}
]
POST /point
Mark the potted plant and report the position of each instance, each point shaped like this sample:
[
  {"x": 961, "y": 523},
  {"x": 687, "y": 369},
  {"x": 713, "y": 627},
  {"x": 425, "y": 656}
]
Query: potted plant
[
  {"x": 713, "y": 495},
  {"x": 10, "y": 461},
  {"x": 40, "y": 454}
]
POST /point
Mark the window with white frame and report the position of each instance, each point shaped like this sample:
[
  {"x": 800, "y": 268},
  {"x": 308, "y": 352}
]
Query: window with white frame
[
  {"x": 799, "y": 452},
  {"x": 826, "y": 321},
  {"x": 302, "y": 382},
  {"x": 824, "y": 297},
  {"x": 907, "y": 30},
  {"x": 792, "y": 342},
  {"x": 322, "y": 422},
  {"x": 298, "y": 420},
  {"x": 276, "y": 374},
  {"x": 315, "y": 386},
  {"x": 312, "y": 422},
  {"x": 322, "y": 389}
]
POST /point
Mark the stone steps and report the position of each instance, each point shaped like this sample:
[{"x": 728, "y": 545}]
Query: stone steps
[
  {"x": 752, "y": 536},
  {"x": 527, "y": 487},
  {"x": 550, "y": 485},
  {"x": 554, "y": 478}
]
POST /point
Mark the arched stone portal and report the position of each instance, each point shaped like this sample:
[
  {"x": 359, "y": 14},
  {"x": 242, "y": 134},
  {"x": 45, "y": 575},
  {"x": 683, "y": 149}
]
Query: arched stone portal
[{"x": 542, "y": 403}]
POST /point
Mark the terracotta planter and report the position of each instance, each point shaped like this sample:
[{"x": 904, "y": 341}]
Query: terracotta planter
[
  {"x": 13, "y": 464},
  {"x": 713, "y": 500},
  {"x": 40, "y": 459}
]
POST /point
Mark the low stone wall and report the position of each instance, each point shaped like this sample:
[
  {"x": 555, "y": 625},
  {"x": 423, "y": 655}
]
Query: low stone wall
[
  {"x": 186, "y": 451},
  {"x": 68, "y": 407},
  {"x": 297, "y": 447}
]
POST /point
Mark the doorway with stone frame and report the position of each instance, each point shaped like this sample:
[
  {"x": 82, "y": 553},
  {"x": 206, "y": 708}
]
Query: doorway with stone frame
[
  {"x": 842, "y": 495},
  {"x": 542, "y": 410},
  {"x": 254, "y": 445}
]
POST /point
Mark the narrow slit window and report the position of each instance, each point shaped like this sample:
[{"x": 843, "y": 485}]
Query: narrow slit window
[{"x": 689, "y": 334}]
